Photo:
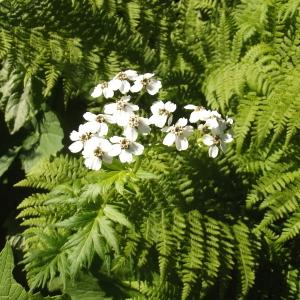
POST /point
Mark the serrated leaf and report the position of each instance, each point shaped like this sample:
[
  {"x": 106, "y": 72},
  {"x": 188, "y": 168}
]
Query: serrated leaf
[
  {"x": 115, "y": 215},
  {"x": 107, "y": 230},
  {"x": 9, "y": 288},
  {"x": 116, "y": 178}
]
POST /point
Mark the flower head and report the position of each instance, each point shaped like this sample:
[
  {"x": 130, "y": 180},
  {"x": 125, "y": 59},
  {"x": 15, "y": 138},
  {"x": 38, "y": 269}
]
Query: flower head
[
  {"x": 120, "y": 81},
  {"x": 162, "y": 113},
  {"x": 121, "y": 110},
  {"x": 136, "y": 125},
  {"x": 146, "y": 81},
  {"x": 104, "y": 88},
  {"x": 98, "y": 122},
  {"x": 95, "y": 151},
  {"x": 178, "y": 133},
  {"x": 80, "y": 137},
  {"x": 215, "y": 141},
  {"x": 199, "y": 113},
  {"x": 125, "y": 148}
]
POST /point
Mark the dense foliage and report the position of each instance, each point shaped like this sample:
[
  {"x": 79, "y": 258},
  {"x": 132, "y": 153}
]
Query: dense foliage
[{"x": 173, "y": 225}]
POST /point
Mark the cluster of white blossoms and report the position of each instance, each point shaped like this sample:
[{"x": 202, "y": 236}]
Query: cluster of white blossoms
[
  {"x": 96, "y": 145},
  {"x": 216, "y": 130}
]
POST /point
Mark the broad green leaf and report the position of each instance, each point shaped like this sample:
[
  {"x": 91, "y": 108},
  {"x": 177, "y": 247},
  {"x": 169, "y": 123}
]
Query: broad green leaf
[
  {"x": 7, "y": 159},
  {"x": 19, "y": 108},
  {"x": 86, "y": 287},
  {"x": 9, "y": 288},
  {"x": 115, "y": 215},
  {"x": 50, "y": 142}
]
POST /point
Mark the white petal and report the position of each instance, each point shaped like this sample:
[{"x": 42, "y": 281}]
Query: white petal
[
  {"x": 215, "y": 114},
  {"x": 89, "y": 127},
  {"x": 170, "y": 119},
  {"x": 122, "y": 117},
  {"x": 115, "y": 150},
  {"x": 187, "y": 131},
  {"x": 92, "y": 143},
  {"x": 108, "y": 119},
  {"x": 93, "y": 163},
  {"x": 125, "y": 87},
  {"x": 93, "y": 126},
  {"x": 106, "y": 158},
  {"x": 148, "y": 75},
  {"x": 158, "y": 121},
  {"x": 105, "y": 145},
  {"x": 110, "y": 108},
  {"x": 89, "y": 116},
  {"x": 97, "y": 92},
  {"x": 131, "y": 107},
  {"x": 213, "y": 151},
  {"x": 108, "y": 93},
  {"x": 229, "y": 121},
  {"x": 103, "y": 129},
  {"x": 125, "y": 156},
  {"x": 144, "y": 127},
  {"x": 195, "y": 116},
  {"x": 208, "y": 140},
  {"x": 227, "y": 138},
  {"x": 136, "y": 87},
  {"x": 115, "y": 139},
  {"x": 204, "y": 114},
  {"x": 169, "y": 139},
  {"x": 74, "y": 136},
  {"x": 190, "y": 106},
  {"x": 156, "y": 106},
  {"x": 136, "y": 148},
  {"x": 212, "y": 123},
  {"x": 181, "y": 143},
  {"x": 153, "y": 87},
  {"x": 170, "y": 106},
  {"x": 125, "y": 98},
  {"x": 131, "y": 74},
  {"x": 182, "y": 122},
  {"x": 115, "y": 84},
  {"x": 130, "y": 133},
  {"x": 76, "y": 147}
]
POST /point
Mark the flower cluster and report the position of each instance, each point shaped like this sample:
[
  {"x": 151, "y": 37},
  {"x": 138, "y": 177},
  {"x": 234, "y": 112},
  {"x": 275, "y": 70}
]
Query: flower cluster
[
  {"x": 216, "y": 130},
  {"x": 92, "y": 138}
]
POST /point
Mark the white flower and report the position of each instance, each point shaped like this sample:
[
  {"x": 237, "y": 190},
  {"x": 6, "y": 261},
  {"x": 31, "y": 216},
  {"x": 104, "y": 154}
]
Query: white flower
[
  {"x": 162, "y": 113},
  {"x": 97, "y": 122},
  {"x": 214, "y": 141},
  {"x": 120, "y": 110},
  {"x": 229, "y": 121},
  {"x": 84, "y": 133},
  {"x": 95, "y": 151},
  {"x": 146, "y": 81},
  {"x": 136, "y": 125},
  {"x": 104, "y": 88},
  {"x": 199, "y": 113},
  {"x": 125, "y": 148},
  {"x": 120, "y": 82},
  {"x": 178, "y": 133}
]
